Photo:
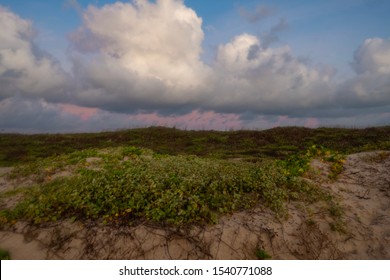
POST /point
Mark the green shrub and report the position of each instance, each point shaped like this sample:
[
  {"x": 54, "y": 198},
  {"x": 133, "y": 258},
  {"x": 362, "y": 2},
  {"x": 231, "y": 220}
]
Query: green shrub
[
  {"x": 173, "y": 189},
  {"x": 130, "y": 184},
  {"x": 262, "y": 254},
  {"x": 4, "y": 255}
]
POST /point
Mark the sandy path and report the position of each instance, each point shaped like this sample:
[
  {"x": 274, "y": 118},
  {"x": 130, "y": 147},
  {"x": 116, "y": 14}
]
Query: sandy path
[{"x": 362, "y": 189}]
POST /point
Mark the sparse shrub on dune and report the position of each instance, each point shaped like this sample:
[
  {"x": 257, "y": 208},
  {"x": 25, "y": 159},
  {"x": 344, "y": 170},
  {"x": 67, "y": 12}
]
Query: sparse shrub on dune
[{"x": 132, "y": 183}]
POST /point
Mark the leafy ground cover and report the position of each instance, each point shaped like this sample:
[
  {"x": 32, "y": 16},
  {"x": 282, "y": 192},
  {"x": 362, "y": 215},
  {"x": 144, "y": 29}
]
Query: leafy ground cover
[
  {"x": 185, "y": 177},
  {"x": 123, "y": 185}
]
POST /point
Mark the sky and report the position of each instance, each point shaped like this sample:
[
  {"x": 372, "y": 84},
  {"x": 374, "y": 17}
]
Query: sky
[{"x": 101, "y": 65}]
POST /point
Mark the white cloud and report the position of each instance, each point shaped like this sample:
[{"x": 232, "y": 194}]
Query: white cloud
[
  {"x": 24, "y": 68},
  {"x": 268, "y": 80},
  {"x": 146, "y": 56},
  {"x": 144, "y": 52},
  {"x": 373, "y": 56},
  {"x": 371, "y": 86}
]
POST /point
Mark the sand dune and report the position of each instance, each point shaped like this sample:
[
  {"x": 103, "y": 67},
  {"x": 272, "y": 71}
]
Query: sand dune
[{"x": 360, "y": 231}]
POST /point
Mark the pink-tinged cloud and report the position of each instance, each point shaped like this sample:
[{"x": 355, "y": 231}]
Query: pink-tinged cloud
[
  {"x": 282, "y": 120},
  {"x": 83, "y": 113},
  {"x": 312, "y": 122},
  {"x": 194, "y": 120}
]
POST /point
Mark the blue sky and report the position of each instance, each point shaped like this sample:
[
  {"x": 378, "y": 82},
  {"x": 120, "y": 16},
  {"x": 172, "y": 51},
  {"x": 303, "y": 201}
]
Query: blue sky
[{"x": 314, "y": 63}]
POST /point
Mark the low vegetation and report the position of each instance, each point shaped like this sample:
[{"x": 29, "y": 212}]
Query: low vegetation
[
  {"x": 123, "y": 185},
  {"x": 170, "y": 176},
  {"x": 4, "y": 255},
  {"x": 262, "y": 254},
  {"x": 274, "y": 143}
]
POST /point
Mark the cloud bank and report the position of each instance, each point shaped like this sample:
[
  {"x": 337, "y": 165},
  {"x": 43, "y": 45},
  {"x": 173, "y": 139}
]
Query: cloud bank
[
  {"x": 146, "y": 57},
  {"x": 135, "y": 62}
]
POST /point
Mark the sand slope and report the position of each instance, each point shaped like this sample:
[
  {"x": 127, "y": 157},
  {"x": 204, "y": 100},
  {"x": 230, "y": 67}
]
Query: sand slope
[{"x": 361, "y": 231}]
